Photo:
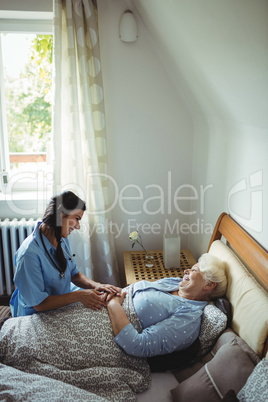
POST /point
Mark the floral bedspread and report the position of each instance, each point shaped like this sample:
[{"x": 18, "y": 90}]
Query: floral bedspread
[{"x": 74, "y": 352}]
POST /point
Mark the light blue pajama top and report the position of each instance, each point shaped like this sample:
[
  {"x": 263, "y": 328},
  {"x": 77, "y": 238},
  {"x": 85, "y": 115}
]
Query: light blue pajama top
[
  {"x": 36, "y": 277},
  {"x": 170, "y": 323}
]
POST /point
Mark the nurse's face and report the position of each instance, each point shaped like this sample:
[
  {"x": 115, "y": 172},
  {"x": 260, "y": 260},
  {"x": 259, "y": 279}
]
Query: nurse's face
[{"x": 71, "y": 222}]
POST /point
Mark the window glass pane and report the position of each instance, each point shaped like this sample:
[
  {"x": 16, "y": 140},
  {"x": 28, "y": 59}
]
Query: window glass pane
[{"x": 27, "y": 64}]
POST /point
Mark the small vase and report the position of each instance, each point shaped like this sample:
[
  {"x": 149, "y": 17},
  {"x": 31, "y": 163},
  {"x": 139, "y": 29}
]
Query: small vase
[{"x": 149, "y": 260}]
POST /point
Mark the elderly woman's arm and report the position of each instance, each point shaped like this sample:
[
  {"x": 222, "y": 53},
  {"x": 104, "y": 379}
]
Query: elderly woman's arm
[
  {"x": 117, "y": 314},
  {"x": 173, "y": 333}
]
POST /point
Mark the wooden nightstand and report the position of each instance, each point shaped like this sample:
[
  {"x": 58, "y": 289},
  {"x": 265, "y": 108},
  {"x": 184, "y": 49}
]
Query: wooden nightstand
[{"x": 136, "y": 270}]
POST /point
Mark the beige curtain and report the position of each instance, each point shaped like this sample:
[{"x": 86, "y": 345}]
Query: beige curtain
[{"x": 80, "y": 148}]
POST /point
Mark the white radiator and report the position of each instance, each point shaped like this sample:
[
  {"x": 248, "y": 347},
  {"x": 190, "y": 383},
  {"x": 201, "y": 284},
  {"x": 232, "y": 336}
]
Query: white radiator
[{"x": 12, "y": 234}]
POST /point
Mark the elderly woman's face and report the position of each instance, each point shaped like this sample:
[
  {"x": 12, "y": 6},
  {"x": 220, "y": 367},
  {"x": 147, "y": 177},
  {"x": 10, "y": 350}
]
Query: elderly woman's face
[{"x": 193, "y": 278}]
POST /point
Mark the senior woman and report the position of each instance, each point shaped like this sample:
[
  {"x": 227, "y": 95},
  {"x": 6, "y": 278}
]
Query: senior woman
[
  {"x": 46, "y": 276},
  {"x": 169, "y": 309}
]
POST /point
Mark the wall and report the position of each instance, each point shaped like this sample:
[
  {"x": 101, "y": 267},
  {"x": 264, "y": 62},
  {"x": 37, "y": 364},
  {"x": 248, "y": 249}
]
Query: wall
[
  {"x": 237, "y": 167},
  {"x": 26, "y": 5},
  {"x": 219, "y": 52},
  {"x": 150, "y": 134}
]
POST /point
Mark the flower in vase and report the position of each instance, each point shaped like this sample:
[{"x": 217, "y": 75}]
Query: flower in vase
[{"x": 136, "y": 238}]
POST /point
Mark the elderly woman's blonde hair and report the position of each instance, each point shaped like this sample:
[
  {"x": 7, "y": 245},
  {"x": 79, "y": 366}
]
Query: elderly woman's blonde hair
[{"x": 213, "y": 269}]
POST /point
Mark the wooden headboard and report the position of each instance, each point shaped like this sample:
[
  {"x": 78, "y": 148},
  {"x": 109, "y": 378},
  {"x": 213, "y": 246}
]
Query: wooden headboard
[
  {"x": 252, "y": 254},
  {"x": 246, "y": 247}
]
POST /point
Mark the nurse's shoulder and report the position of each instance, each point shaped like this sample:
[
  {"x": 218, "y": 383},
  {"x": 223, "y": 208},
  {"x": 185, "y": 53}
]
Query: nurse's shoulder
[{"x": 31, "y": 245}]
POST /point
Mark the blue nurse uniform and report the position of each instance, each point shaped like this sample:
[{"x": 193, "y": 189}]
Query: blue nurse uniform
[{"x": 36, "y": 276}]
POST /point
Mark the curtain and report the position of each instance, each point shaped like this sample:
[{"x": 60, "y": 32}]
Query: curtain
[{"x": 79, "y": 134}]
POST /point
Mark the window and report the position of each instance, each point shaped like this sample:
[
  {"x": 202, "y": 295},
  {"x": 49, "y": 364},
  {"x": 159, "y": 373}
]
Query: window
[{"x": 25, "y": 104}]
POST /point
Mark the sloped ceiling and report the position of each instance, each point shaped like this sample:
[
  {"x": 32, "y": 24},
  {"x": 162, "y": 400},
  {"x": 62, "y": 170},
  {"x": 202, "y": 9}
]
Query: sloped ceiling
[{"x": 217, "y": 51}]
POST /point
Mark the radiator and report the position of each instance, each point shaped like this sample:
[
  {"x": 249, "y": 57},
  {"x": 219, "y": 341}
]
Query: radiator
[{"x": 12, "y": 234}]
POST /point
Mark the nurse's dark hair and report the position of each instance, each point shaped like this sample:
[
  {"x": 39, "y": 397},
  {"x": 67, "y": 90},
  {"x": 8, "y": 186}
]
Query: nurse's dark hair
[{"x": 59, "y": 205}]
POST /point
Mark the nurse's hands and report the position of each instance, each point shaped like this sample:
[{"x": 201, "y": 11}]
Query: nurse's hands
[
  {"x": 96, "y": 299},
  {"x": 92, "y": 298},
  {"x": 109, "y": 290},
  {"x": 93, "y": 294}
]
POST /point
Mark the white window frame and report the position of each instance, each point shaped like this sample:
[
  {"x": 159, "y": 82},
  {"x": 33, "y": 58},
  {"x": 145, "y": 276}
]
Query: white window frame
[{"x": 18, "y": 22}]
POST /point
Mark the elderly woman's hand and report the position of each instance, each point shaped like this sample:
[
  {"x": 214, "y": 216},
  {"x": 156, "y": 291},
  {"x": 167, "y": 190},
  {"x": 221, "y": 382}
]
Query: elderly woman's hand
[{"x": 118, "y": 298}]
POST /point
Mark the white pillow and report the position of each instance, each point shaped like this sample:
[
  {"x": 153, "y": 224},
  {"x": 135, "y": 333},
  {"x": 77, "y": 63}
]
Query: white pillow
[{"x": 248, "y": 299}]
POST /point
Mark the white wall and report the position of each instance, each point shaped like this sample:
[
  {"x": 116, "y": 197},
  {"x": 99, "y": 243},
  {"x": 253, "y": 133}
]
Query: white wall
[
  {"x": 218, "y": 52},
  {"x": 149, "y": 129},
  {"x": 233, "y": 158},
  {"x": 26, "y": 5}
]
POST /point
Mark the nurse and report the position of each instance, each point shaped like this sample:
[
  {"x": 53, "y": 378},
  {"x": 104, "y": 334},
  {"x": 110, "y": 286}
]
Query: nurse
[{"x": 46, "y": 276}]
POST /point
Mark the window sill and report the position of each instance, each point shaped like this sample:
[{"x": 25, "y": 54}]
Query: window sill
[{"x": 23, "y": 204}]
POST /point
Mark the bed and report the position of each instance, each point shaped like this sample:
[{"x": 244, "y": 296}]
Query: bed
[
  {"x": 236, "y": 365},
  {"x": 229, "y": 359}
]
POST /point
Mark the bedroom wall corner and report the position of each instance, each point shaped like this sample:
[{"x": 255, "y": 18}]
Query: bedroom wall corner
[
  {"x": 235, "y": 166},
  {"x": 149, "y": 130}
]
